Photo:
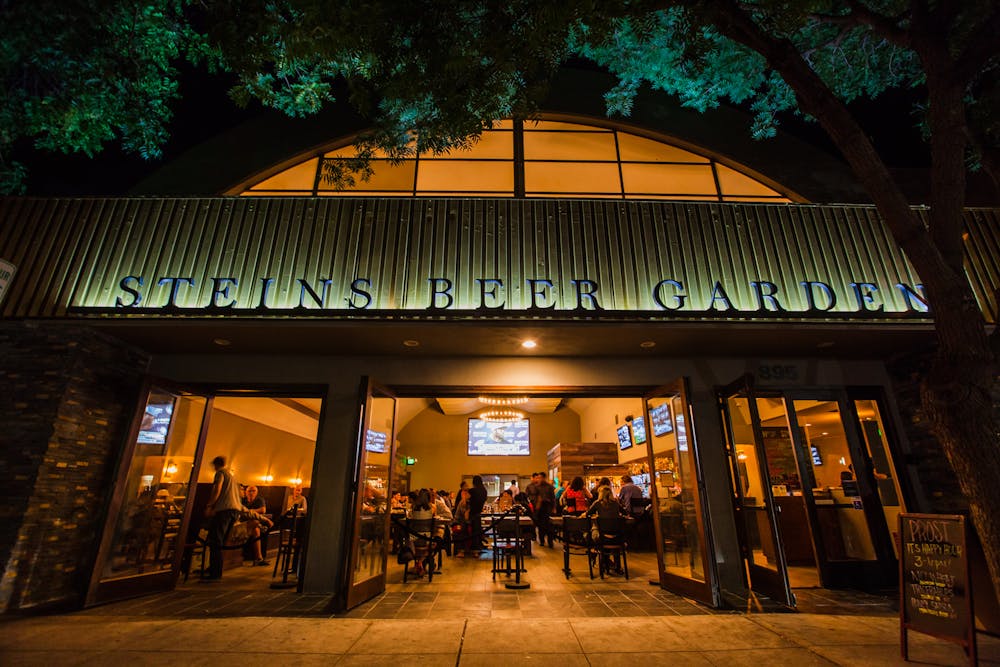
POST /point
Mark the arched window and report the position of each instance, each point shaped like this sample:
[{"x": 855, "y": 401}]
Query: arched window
[{"x": 539, "y": 159}]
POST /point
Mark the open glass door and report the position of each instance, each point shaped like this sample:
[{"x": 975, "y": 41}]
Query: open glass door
[
  {"x": 376, "y": 451},
  {"x": 677, "y": 490},
  {"x": 143, "y": 539},
  {"x": 756, "y": 511}
]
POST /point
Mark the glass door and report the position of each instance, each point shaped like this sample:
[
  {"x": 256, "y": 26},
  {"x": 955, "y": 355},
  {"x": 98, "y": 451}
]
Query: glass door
[
  {"x": 677, "y": 492},
  {"x": 753, "y": 483},
  {"x": 148, "y": 516},
  {"x": 376, "y": 451},
  {"x": 850, "y": 535}
]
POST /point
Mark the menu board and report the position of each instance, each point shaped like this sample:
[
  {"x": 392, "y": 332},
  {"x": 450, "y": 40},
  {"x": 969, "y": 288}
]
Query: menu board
[{"x": 934, "y": 577}]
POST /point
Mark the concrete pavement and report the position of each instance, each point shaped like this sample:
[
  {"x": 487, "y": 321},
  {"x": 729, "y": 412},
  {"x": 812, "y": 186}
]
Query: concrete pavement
[{"x": 770, "y": 640}]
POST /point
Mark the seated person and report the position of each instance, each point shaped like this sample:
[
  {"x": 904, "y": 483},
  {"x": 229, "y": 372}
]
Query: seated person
[
  {"x": 257, "y": 507},
  {"x": 576, "y": 497},
  {"x": 628, "y": 493},
  {"x": 505, "y": 501},
  {"x": 296, "y": 499}
]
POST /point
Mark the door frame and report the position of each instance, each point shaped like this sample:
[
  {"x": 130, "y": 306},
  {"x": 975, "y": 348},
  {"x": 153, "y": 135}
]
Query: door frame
[
  {"x": 128, "y": 587},
  {"x": 99, "y": 592},
  {"x": 355, "y": 594},
  {"x": 705, "y": 591},
  {"x": 773, "y": 584}
]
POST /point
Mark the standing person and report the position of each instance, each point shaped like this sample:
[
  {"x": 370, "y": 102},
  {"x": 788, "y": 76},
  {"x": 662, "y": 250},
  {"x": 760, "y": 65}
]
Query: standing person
[
  {"x": 563, "y": 485},
  {"x": 460, "y": 529},
  {"x": 532, "y": 490},
  {"x": 254, "y": 503},
  {"x": 477, "y": 500},
  {"x": 223, "y": 508},
  {"x": 576, "y": 498},
  {"x": 628, "y": 493},
  {"x": 546, "y": 504},
  {"x": 514, "y": 488}
]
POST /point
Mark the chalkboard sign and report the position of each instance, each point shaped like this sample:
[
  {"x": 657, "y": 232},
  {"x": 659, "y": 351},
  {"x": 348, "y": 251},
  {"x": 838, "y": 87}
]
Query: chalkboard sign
[{"x": 935, "y": 597}]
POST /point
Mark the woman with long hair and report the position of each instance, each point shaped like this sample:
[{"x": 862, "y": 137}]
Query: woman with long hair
[{"x": 577, "y": 498}]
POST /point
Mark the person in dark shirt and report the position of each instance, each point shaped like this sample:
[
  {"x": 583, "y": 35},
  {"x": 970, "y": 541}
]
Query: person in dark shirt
[
  {"x": 544, "y": 506},
  {"x": 477, "y": 500},
  {"x": 255, "y": 503}
]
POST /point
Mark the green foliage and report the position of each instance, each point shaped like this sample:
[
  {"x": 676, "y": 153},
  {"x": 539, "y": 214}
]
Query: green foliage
[{"x": 79, "y": 75}]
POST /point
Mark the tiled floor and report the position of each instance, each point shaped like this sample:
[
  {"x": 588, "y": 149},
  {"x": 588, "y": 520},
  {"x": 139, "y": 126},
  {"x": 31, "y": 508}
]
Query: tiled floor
[{"x": 465, "y": 589}]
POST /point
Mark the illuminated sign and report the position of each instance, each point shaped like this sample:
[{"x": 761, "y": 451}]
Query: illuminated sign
[{"x": 185, "y": 295}]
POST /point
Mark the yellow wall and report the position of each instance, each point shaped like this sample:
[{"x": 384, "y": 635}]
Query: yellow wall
[
  {"x": 254, "y": 450},
  {"x": 440, "y": 445},
  {"x": 597, "y": 423}
]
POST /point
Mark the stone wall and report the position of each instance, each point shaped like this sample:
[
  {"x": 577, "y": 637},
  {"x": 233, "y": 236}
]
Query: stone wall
[
  {"x": 67, "y": 395},
  {"x": 937, "y": 479}
]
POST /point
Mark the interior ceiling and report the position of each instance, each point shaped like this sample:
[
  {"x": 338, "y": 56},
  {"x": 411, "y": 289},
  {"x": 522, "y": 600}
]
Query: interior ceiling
[
  {"x": 298, "y": 416},
  {"x": 469, "y": 338},
  {"x": 465, "y": 406}
]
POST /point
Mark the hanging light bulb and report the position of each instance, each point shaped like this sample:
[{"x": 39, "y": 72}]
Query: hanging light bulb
[
  {"x": 504, "y": 400},
  {"x": 501, "y": 415}
]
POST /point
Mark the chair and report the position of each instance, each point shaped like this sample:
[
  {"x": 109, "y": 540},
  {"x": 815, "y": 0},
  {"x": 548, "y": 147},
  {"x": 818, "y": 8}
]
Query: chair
[
  {"x": 288, "y": 543},
  {"x": 420, "y": 534},
  {"x": 576, "y": 542},
  {"x": 672, "y": 529},
  {"x": 612, "y": 542},
  {"x": 508, "y": 557}
]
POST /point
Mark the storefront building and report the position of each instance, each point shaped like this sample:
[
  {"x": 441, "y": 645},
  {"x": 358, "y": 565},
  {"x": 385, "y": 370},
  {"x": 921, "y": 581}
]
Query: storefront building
[{"x": 744, "y": 350}]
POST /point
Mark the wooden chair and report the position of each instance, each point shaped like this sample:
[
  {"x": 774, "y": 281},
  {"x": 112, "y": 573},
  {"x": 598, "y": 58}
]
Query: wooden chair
[
  {"x": 288, "y": 543},
  {"x": 576, "y": 542},
  {"x": 612, "y": 542}
]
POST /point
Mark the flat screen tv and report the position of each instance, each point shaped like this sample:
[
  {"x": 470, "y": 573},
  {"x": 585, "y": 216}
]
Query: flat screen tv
[
  {"x": 156, "y": 423},
  {"x": 660, "y": 416},
  {"x": 375, "y": 441},
  {"x": 639, "y": 430},
  {"x": 624, "y": 437},
  {"x": 488, "y": 438}
]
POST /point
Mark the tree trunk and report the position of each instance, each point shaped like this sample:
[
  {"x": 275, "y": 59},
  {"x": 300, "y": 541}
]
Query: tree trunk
[{"x": 957, "y": 394}]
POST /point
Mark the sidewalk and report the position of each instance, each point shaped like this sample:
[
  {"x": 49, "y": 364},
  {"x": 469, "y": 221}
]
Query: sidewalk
[{"x": 735, "y": 639}]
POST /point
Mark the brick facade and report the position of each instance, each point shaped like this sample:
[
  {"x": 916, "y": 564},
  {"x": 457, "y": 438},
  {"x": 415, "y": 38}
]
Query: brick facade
[{"x": 67, "y": 395}]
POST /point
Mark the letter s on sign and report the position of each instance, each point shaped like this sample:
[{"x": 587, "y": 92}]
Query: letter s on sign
[{"x": 126, "y": 286}]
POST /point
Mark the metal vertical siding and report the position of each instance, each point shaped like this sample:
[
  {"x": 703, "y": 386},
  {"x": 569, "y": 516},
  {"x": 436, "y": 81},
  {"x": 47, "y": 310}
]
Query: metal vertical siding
[{"x": 73, "y": 252}]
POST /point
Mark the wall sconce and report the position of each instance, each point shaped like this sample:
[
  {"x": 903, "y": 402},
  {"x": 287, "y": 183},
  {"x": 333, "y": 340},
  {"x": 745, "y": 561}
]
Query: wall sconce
[
  {"x": 170, "y": 470},
  {"x": 267, "y": 478},
  {"x": 296, "y": 480}
]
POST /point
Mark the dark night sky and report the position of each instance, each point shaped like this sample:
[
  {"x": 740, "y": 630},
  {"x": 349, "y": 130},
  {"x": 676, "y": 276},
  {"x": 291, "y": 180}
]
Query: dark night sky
[{"x": 205, "y": 110}]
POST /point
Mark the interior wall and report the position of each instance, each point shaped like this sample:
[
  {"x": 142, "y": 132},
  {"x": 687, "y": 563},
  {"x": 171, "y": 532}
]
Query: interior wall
[
  {"x": 440, "y": 445},
  {"x": 254, "y": 450},
  {"x": 601, "y": 417}
]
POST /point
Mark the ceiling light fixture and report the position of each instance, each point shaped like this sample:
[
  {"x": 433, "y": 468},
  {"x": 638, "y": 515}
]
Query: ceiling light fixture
[
  {"x": 411, "y": 343},
  {"x": 222, "y": 342},
  {"x": 504, "y": 400},
  {"x": 529, "y": 344},
  {"x": 501, "y": 415},
  {"x": 646, "y": 344}
]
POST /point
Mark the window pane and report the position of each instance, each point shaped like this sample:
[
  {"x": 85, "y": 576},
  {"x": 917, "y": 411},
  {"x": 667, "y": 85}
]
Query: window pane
[
  {"x": 492, "y": 145},
  {"x": 569, "y": 146},
  {"x": 639, "y": 149},
  {"x": 463, "y": 176},
  {"x": 668, "y": 178},
  {"x": 386, "y": 176},
  {"x": 578, "y": 177},
  {"x": 299, "y": 177},
  {"x": 532, "y": 125},
  {"x": 734, "y": 183},
  {"x": 758, "y": 200}
]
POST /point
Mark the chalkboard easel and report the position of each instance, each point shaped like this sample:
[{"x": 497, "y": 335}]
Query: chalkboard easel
[{"x": 935, "y": 592}]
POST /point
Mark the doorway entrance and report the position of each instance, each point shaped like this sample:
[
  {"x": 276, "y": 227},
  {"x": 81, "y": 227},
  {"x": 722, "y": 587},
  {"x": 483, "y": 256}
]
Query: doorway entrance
[
  {"x": 157, "y": 526},
  {"x": 815, "y": 488},
  {"x": 411, "y": 439}
]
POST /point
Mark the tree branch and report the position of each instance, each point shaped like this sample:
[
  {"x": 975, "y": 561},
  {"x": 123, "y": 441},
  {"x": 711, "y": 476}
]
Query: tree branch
[
  {"x": 887, "y": 26},
  {"x": 980, "y": 47}
]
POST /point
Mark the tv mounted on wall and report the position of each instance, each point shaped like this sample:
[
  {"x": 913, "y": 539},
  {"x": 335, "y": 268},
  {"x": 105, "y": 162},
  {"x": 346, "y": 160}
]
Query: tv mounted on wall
[
  {"x": 488, "y": 438},
  {"x": 375, "y": 441},
  {"x": 624, "y": 437},
  {"x": 156, "y": 422}
]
